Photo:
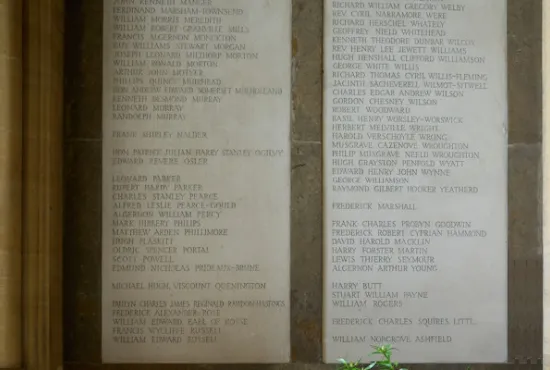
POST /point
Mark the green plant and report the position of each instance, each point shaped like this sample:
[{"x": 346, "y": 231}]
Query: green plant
[
  {"x": 385, "y": 363},
  {"x": 344, "y": 365}
]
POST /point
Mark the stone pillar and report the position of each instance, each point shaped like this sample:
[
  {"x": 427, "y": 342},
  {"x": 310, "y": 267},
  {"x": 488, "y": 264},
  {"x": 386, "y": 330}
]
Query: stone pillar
[
  {"x": 42, "y": 183},
  {"x": 10, "y": 183},
  {"x": 546, "y": 181}
]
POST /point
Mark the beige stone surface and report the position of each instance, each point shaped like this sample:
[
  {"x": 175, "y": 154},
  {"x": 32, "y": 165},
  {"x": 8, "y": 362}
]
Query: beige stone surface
[
  {"x": 83, "y": 191},
  {"x": 10, "y": 182},
  {"x": 196, "y": 182},
  {"x": 415, "y": 181}
]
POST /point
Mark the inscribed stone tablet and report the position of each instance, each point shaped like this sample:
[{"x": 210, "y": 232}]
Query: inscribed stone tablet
[
  {"x": 415, "y": 175},
  {"x": 196, "y": 181}
]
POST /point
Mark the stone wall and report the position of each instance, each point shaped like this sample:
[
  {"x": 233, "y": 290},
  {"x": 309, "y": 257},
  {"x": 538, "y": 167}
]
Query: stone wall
[{"x": 83, "y": 145}]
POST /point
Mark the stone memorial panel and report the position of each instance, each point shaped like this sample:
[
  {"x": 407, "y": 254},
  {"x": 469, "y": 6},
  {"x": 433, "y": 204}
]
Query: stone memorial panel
[
  {"x": 196, "y": 181},
  {"x": 415, "y": 163}
]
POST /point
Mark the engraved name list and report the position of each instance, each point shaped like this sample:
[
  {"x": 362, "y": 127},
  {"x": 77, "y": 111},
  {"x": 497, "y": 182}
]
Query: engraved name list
[
  {"x": 196, "y": 190},
  {"x": 415, "y": 132}
]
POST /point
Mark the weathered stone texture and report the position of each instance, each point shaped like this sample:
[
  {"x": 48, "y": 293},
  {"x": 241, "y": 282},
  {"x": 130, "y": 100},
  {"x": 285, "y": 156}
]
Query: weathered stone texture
[{"x": 82, "y": 251}]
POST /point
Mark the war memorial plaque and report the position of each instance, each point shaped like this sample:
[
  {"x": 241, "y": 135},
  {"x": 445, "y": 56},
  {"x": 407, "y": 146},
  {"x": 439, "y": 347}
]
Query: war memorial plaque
[
  {"x": 415, "y": 163},
  {"x": 196, "y": 181}
]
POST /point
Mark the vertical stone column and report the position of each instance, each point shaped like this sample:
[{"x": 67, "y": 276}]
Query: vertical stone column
[
  {"x": 10, "y": 183},
  {"x": 546, "y": 181},
  {"x": 42, "y": 183}
]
